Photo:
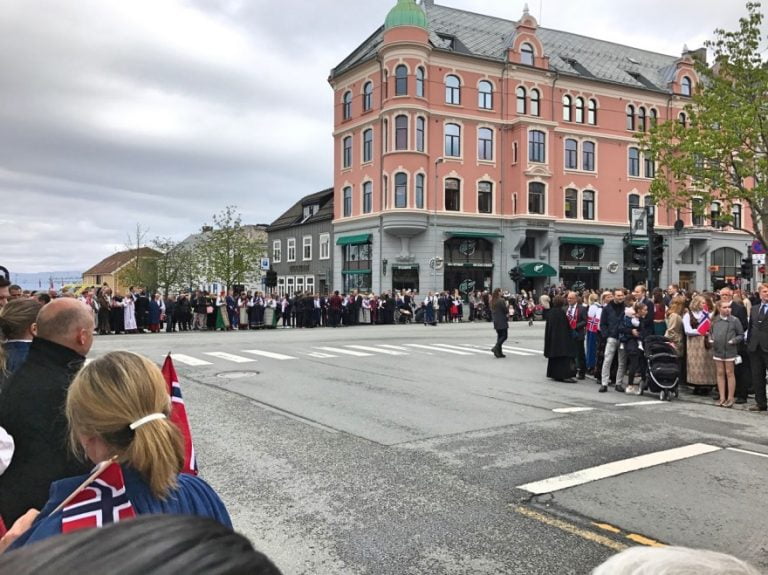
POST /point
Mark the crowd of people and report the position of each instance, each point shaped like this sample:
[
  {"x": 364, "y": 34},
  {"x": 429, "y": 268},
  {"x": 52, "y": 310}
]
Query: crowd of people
[{"x": 720, "y": 338}]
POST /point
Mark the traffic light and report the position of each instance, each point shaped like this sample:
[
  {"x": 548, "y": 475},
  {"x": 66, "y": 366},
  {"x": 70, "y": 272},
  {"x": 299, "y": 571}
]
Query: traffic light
[
  {"x": 746, "y": 269},
  {"x": 640, "y": 256},
  {"x": 516, "y": 274},
  {"x": 658, "y": 252},
  {"x": 271, "y": 278}
]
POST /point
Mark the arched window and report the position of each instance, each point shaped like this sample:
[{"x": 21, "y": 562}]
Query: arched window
[
  {"x": 346, "y": 105},
  {"x": 736, "y": 216},
  {"x": 420, "y": 82},
  {"x": 728, "y": 260},
  {"x": 419, "y": 191},
  {"x": 453, "y": 140},
  {"x": 686, "y": 86},
  {"x": 682, "y": 119},
  {"x": 401, "y": 132},
  {"x": 401, "y": 80},
  {"x": 521, "y": 101},
  {"x": 485, "y": 144},
  {"x": 588, "y": 156},
  {"x": 401, "y": 190},
  {"x": 347, "y": 202},
  {"x": 634, "y": 162},
  {"x": 633, "y": 202},
  {"x": 535, "y": 103},
  {"x": 630, "y": 117},
  {"x": 485, "y": 95},
  {"x": 421, "y": 124},
  {"x": 654, "y": 117},
  {"x": 536, "y": 204},
  {"x": 571, "y": 203},
  {"x": 368, "y": 145},
  {"x": 580, "y": 110},
  {"x": 588, "y": 205},
  {"x": 592, "y": 112},
  {"x": 567, "y": 108},
  {"x": 452, "y": 90},
  {"x": 367, "y": 96},
  {"x": 346, "y": 160},
  {"x": 452, "y": 195},
  {"x": 485, "y": 197},
  {"x": 367, "y": 197},
  {"x": 537, "y": 149},
  {"x": 641, "y": 119},
  {"x": 526, "y": 54},
  {"x": 571, "y": 154}
]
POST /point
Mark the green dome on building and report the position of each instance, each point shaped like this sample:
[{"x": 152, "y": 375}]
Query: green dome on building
[{"x": 406, "y": 13}]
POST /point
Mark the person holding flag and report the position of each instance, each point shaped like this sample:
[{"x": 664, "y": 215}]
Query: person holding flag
[
  {"x": 700, "y": 363},
  {"x": 119, "y": 414}
]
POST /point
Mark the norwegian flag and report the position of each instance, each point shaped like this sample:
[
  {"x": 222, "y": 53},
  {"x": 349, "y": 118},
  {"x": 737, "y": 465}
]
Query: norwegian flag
[
  {"x": 102, "y": 502},
  {"x": 179, "y": 415},
  {"x": 705, "y": 323},
  {"x": 593, "y": 324}
]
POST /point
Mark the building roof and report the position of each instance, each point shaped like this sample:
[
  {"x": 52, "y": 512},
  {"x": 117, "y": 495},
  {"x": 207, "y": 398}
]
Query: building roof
[
  {"x": 113, "y": 263},
  {"x": 295, "y": 214},
  {"x": 406, "y": 13},
  {"x": 192, "y": 240},
  {"x": 569, "y": 54}
]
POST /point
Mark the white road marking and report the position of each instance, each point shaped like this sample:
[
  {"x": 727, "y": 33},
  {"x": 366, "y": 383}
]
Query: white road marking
[
  {"x": 397, "y": 347},
  {"x": 617, "y": 468},
  {"x": 461, "y": 348},
  {"x": 269, "y": 354},
  {"x": 434, "y": 348},
  {"x": 319, "y": 355},
  {"x": 531, "y": 351},
  {"x": 189, "y": 360},
  {"x": 346, "y": 351},
  {"x": 633, "y": 403},
  {"x": 229, "y": 356},
  {"x": 572, "y": 409},
  {"x": 514, "y": 351},
  {"x": 376, "y": 350},
  {"x": 737, "y": 450}
]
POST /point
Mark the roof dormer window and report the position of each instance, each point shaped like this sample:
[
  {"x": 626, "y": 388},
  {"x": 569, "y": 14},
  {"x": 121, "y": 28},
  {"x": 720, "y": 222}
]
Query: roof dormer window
[
  {"x": 526, "y": 54},
  {"x": 309, "y": 211}
]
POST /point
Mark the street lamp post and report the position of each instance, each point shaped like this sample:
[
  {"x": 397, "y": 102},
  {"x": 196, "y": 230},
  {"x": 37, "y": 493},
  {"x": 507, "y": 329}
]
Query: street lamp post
[
  {"x": 650, "y": 212},
  {"x": 438, "y": 161}
]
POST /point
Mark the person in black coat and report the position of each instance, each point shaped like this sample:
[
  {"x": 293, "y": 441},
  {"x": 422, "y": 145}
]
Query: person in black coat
[
  {"x": 500, "y": 321},
  {"x": 32, "y": 408},
  {"x": 559, "y": 344},
  {"x": 577, "y": 318},
  {"x": 757, "y": 346}
]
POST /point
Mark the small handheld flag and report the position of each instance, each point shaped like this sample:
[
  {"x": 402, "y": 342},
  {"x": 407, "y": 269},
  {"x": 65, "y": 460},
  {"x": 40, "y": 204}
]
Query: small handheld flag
[
  {"x": 705, "y": 323},
  {"x": 179, "y": 415}
]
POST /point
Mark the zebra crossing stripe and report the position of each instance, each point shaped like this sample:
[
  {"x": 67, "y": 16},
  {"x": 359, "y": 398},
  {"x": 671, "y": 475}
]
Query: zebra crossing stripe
[
  {"x": 230, "y": 356},
  {"x": 436, "y": 348},
  {"x": 345, "y": 351},
  {"x": 530, "y": 351},
  {"x": 319, "y": 355},
  {"x": 397, "y": 347},
  {"x": 189, "y": 360},
  {"x": 461, "y": 348},
  {"x": 514, "y": 351},
  {"x": 269, "y": 354},
  {"x": 376, "y": 350}
]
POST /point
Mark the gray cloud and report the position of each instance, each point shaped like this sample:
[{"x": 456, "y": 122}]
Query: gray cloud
[{"x": 161, "y": 112}]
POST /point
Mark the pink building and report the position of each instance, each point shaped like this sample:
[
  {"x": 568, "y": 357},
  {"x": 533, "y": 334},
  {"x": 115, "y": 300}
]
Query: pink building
[{"x": 466, "y": 145}]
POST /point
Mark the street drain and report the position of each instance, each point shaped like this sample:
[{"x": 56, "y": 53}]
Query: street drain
[{"x": 237, "y": 374}]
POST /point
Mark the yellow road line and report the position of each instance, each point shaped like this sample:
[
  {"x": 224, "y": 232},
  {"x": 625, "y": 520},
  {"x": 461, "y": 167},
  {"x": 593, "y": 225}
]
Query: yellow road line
[
  {"x": 571, "y": 528},
  {"x": 607, "y": 527},
  {"x": 644, "y": 540}
]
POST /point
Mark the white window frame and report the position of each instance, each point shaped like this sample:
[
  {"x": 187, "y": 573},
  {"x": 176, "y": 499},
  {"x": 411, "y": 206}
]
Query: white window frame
[
  {"x": 309, "y": 284},
  {"x": 325, "y": 246},
  {"x": 277, "y": 251},
  {"x": 306, "y": 242},
  {"x": 299, "y": 283},
  {"x": 290, "y": 248},
  {"x": 290, "y": 288},
  {"x": 281, "y": 286}
]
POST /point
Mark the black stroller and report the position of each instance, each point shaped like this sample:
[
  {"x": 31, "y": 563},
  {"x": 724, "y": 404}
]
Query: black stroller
[{"x": 662, "y": 367}]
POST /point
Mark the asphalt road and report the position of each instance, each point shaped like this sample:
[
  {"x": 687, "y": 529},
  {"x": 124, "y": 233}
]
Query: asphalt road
[{"x": 412, "y": 450}]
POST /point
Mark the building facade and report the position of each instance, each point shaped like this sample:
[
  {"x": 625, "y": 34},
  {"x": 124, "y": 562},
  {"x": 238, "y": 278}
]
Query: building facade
[
  {"x": 300, "y": 245},
  {"x": 113, "y": 271},
  {"x": 466, "y": 145}
]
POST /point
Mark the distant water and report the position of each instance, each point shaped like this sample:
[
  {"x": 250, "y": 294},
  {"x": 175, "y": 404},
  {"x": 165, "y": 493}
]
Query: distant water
[{"x": 42, "y": 280}]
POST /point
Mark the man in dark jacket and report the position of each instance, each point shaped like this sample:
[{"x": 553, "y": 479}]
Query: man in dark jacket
[
  {"x": 32, "y": 408},
  {"x": 577, "y": 318},
  {"x": 610, "y": 320}
]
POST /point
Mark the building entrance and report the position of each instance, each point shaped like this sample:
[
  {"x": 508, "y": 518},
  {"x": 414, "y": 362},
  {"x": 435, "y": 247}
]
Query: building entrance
[{"x": 468, "y": 265}]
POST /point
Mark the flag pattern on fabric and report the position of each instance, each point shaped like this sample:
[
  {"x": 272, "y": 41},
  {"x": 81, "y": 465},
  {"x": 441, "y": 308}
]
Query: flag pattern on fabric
[
  {"x": 705, "y": 323},
  {"x": 179, "y": 415},
  {"x": 593, "y": 324},
  {"x": 572, "y": 317},
  {"x": 104, "y": 501}
]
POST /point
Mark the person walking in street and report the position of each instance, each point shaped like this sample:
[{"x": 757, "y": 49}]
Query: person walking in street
[
  {"x": 725, "y": 336},
  {"x": 559, "y": 344},
  {"x": 500, "y": 321},
  {"x": 610, "y": 320}
]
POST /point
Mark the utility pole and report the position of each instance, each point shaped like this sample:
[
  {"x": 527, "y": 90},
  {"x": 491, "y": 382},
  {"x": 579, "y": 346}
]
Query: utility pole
[{"x": 650, "y": 213}]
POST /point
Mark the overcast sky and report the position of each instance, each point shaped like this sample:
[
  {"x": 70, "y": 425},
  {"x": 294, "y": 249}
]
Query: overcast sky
[{"x": 161, "y": 112}]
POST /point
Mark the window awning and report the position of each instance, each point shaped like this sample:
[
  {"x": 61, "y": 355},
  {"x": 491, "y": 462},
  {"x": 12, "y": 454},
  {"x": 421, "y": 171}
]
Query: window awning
[
  {"x": 355, "y": 272},
  {"x": 405, "y": 266},
  {"x": 636, "y": 242},
  {"x": 353, "y": 240},
  {"x": 474, "y": 234},
  {"x": 582, "y": 241},
  {"x": 538, "y": 270}
]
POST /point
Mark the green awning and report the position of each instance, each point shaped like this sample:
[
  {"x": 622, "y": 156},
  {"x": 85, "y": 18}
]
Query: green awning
[
  {"x": 355, "y": 272},
  {"x": 538, "y": 270},
  {"x": 582, "y": 241},
  {"x": 636, "y": 242},
  {"x": 475, "y": 234},
  {"x": 353, "y": 240}
]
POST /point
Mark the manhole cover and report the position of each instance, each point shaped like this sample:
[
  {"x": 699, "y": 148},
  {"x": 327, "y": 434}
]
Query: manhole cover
[{"x": 237, "y": 374}]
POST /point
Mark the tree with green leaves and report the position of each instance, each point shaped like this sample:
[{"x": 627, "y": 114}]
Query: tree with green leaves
[
  {"x": 178, "y": 266},
  {"x": 230, "y": 250},
  {"x": 719, "y": 153},
  {"x": 141, "y": 270}
]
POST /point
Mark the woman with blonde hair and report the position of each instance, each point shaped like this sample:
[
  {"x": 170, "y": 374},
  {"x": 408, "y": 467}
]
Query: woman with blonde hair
[
  {"x": 118, "y": 406},
  {"x": 699, "y": 359}
]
